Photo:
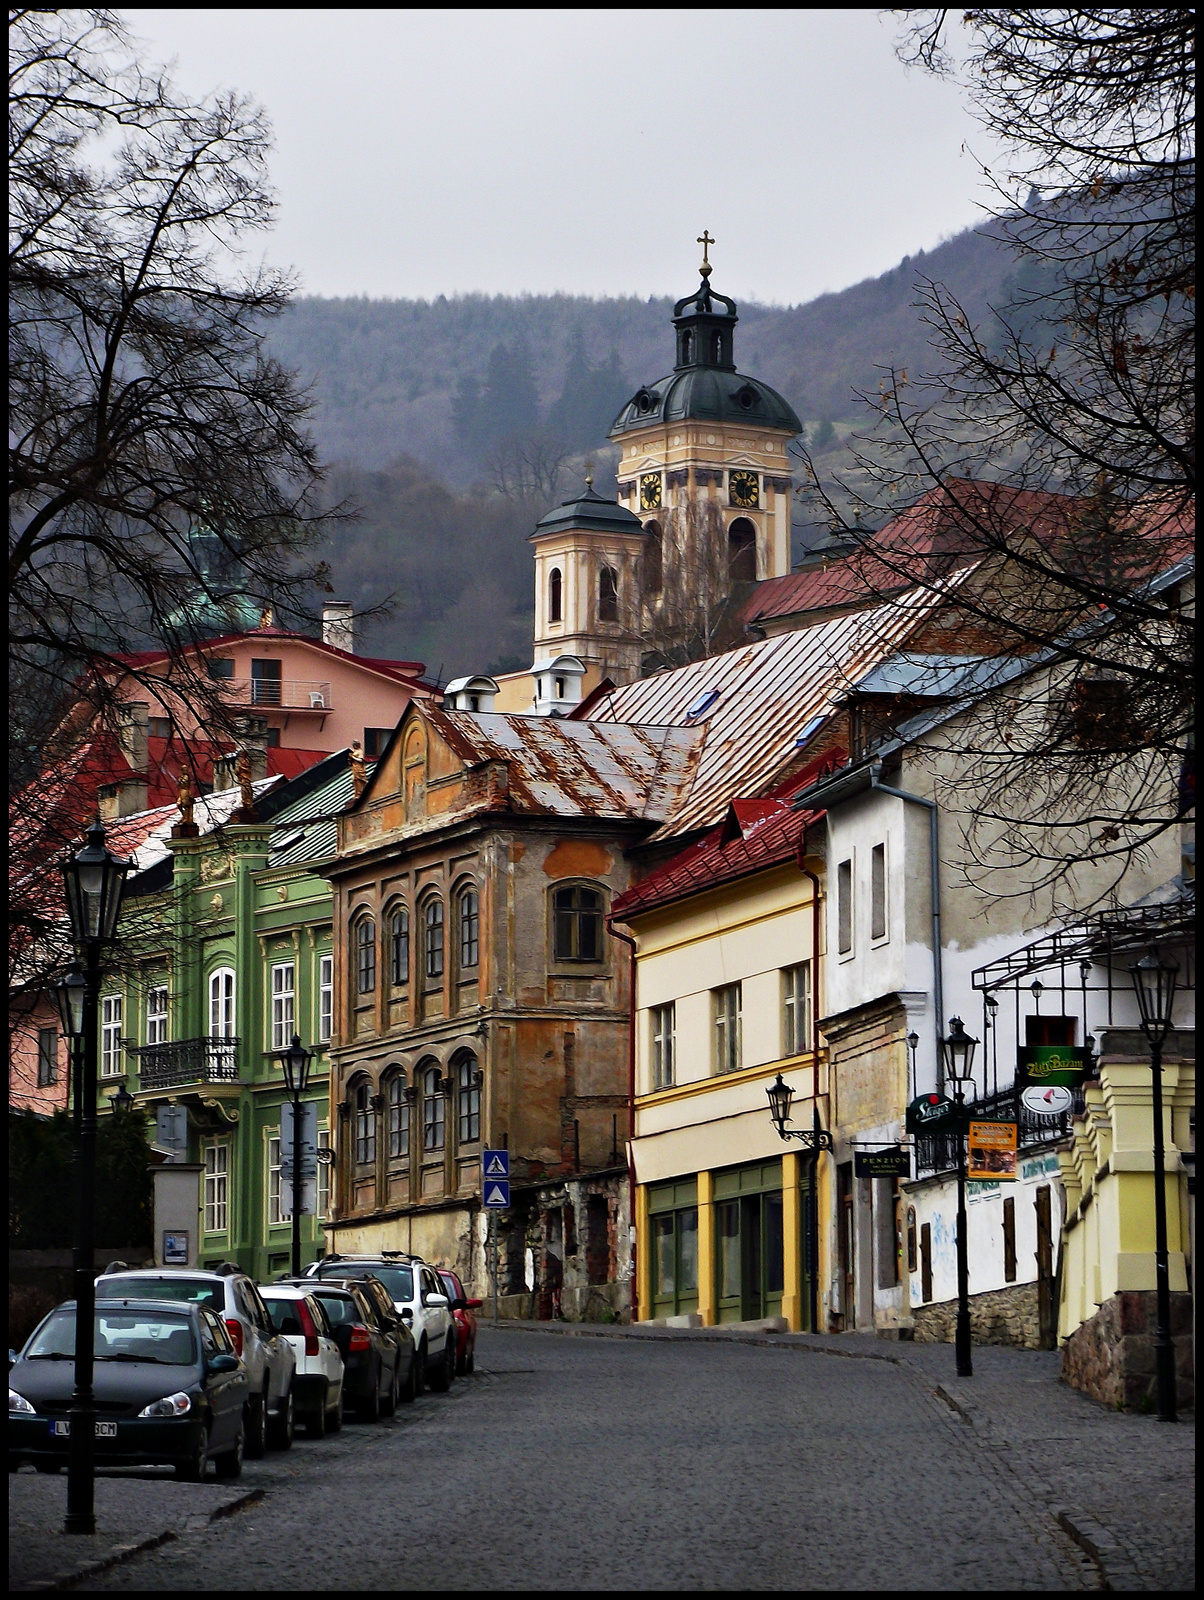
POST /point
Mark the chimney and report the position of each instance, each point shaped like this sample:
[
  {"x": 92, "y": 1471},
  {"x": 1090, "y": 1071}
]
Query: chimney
[
  {"x": 124, "y": 799},
  {"x": 338, "y": 625},
  {"x": 133, "y": 722}
]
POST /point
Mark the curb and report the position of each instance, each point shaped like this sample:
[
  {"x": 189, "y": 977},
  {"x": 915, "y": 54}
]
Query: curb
[
  {"x": 127, "y": 1552},
  {"x": 1115, "y": 1568}
]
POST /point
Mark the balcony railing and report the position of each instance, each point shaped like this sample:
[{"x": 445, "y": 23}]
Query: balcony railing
[
  {"x": 204, "y": 1060},
  {"x": 937, "y": 1152},
  {"x": 291, "y": 694}
]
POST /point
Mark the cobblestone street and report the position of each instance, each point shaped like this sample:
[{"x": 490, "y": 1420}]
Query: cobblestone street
[{"x": 636, "y": 1462}]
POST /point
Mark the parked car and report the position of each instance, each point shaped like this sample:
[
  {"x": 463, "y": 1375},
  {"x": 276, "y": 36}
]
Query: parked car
[
  {"x": 418, "y": 1296},
  {"x": 169, "y": 1390},
  {"x": 267, "y": 1357},
  {"x": 462, "y": 1309},
  {"x": 318, "y": 1379},
  {"x": 379, "y": 1368}
]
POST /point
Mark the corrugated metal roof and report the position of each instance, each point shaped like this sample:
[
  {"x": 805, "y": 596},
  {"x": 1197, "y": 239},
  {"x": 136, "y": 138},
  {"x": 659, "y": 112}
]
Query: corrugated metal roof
[
  {"x": 308, "y": 830},
  {"x": 569, "y": 769},
  {"x": 768, "y": 693}
]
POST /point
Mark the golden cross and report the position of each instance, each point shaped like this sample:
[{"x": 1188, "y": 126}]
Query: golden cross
[{"x": 705, "y": 241}]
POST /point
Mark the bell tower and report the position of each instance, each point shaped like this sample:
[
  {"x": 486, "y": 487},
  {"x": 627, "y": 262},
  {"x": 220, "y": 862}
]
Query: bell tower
[
  {"x": 587, "y": 588},
  {"x": 709, "y": 437}
]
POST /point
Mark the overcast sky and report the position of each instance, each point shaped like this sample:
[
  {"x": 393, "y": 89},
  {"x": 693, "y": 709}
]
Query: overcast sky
[{"x": 439, "y": 152}]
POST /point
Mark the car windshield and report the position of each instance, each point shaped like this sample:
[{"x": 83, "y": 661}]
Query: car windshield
[
  {"x": 197, "y": 1291},
  {"x": 399, "y": 1281},
  {"x": 126, "y": 1335},
  {"x": 338, "y": 1308}
]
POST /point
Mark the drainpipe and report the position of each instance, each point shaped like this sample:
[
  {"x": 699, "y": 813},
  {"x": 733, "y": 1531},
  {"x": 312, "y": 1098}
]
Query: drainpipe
[
  {"x": 813, "y": 1232},
  {"x": 934, "y": 879},
  {"x": 635, "y": 1282}
]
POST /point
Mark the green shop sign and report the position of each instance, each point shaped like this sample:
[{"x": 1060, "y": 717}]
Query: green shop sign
[
  {"x": 1043, "y": 1064},
  {"x": 931, "y": 1113}
]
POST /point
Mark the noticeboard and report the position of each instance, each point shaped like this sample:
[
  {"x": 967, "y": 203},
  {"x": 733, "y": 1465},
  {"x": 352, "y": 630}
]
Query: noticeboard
[{"x": 991, "y": 1150}]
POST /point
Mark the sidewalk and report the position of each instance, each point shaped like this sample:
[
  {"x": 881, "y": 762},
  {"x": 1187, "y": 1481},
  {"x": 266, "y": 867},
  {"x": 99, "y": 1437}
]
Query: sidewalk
[
  {"x": 1121, "y": 1485},
  {"x": 133, "y": 1513}
]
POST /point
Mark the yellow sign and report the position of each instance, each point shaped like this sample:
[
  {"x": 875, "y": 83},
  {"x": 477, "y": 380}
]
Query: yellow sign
[{"x": 992, "y": 1150}]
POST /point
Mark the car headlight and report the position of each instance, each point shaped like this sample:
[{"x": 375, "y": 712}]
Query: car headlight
[
  {"x": 18, "y": 1402},
  {"x": 172, "y": 1405}
]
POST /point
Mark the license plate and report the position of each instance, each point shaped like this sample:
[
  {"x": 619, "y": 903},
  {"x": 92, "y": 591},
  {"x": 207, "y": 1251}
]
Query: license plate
[{"x": 60, "y": 1429}]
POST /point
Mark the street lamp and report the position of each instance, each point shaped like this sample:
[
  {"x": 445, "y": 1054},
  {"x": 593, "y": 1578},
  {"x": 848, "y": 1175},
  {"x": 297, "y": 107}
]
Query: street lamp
[
  {"x": 958, "y": 1050},
  {"x": 93, "y": 880},
  {"x": 1154, "y": 982},
  {"x": 296, "y": 1062},
  {"x": 780, "y": 1097},
  {"x": 121, "y": 1099}
]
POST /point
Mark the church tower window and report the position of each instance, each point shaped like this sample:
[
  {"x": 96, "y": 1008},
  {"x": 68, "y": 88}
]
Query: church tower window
[
  {"x": 687, "y": 346},
  {"x": 608, "y": 595},
  {"x": 555, "y": 591},
  {"x": 742, "y": 551}
]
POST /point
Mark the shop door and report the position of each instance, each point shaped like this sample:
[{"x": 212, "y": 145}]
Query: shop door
[
  {"x": 749, "y": 1257},
  {"x": 675, "y": 1262}
]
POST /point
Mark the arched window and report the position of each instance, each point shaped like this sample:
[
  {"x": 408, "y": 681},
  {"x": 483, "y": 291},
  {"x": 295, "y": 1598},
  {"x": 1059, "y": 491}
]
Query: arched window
[
  {"x": 433, "y": 1109},
  {"x": 555, "y": 588},
  {"x": 364, "y": 1113},
  {"x": 654, "y": 559},
  {"x": 399, "y": 946},
  {"x": 432, "y": 918},
  {"x": 717, "y": 348},
  {"x": 577, "y": 913},
  {"x": 221, "y": 1003},
  {"x": 398, "y": 1107},
  {"x": 468, "y": 1096},
  {"x": 742, "y": 551},
  {"x": 687, "y": 346},
  {"x": 608, "y": 595},
  {"x": 365, "y": 955},
  {"x": 469, "y": 911}
]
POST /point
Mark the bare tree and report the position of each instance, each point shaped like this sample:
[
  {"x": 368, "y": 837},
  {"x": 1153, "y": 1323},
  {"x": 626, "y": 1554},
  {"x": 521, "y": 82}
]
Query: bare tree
[
  {"x": 528, "y": 467},
  {"x": 143, "y": 407},
  {"x": 685, "y": 584},
  {"x": 1050, "y": 452}
]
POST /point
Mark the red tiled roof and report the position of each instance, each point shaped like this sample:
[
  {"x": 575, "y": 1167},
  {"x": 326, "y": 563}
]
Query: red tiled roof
[
  {"x": 166, "y": 759},
  {"x": 754, "y": 836}
]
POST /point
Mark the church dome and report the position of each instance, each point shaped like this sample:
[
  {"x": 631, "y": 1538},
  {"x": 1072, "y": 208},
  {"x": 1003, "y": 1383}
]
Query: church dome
[
  {"x": 704, "y": 386},
  {"x": 589, "y": 510}
]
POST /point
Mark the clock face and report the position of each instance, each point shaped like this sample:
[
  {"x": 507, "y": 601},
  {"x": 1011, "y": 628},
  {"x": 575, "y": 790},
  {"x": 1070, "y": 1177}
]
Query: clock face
[
  {"x": 743, "y": 489},
  {"x": 650, "y": 491}
]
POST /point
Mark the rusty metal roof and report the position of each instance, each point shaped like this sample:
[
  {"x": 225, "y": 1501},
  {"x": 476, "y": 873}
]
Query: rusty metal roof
[
  {"x": 568, "y": 769},
  {"x": 754, "y": 703}
]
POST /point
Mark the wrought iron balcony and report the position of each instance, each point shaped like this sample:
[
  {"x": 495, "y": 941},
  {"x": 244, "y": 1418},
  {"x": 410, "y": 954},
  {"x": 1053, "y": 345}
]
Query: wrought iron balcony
[
  {"x": 209, "y": 1059},
  {"x": 937, "y": 1152}
]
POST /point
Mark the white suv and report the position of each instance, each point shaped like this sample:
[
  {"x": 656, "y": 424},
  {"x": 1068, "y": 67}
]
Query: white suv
[
  {"x": 420, "y": 1298},
  {"x": 318, "y": 1384}
]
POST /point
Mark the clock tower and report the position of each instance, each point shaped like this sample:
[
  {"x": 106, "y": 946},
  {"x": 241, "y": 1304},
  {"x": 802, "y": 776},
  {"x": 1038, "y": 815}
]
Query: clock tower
[{"x": 708, "y": 447}]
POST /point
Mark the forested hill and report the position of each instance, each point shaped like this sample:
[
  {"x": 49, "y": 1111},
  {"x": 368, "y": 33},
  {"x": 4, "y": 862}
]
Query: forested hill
[{"x": 445, "y": 381}]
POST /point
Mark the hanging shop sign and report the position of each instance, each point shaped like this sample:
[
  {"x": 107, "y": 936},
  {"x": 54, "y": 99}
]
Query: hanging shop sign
[
  {"x": 1043, "y": 1064},
  {"x": 894, "y": 1162},
  {"x": 1054, "y": 1101},
  {"x": 991, "y": 1150},
  {"x": 931, "y": 1113}
]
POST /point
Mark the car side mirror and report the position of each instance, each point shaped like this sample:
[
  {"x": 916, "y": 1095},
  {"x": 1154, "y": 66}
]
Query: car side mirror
[
  {"x": 407, "y": 1314},
  {"x": 473, "y": 1305},
  {"x": 434, "y": 1300},
  {"x": 223, "y": 1363}
]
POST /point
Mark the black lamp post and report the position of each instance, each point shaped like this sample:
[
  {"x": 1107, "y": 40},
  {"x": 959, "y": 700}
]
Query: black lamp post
[
  {"x": 1154, "y": 982},
  {"x": 94, "y": 880},
  {"x": 958, "y": 1049},
  {"x": 296, "y": 1063}
]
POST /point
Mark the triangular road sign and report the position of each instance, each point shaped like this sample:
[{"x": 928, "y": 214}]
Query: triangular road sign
[{"x": 497, "y": 1195}]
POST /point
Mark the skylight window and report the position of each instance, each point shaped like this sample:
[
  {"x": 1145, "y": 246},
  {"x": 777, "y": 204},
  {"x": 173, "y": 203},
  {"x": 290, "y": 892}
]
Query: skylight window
[
  {"x": 703, "y": 704},
  {"x": 289, "y": 840},
  {"x": 808, "y": 731}
]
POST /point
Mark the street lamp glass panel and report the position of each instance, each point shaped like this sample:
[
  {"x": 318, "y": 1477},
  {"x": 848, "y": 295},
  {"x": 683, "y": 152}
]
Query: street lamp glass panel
[
  {"x": 122, "y": 1099},
  {"x": 94, "y": 879},
  {"x": 1154, "y": 982},
  {"x": 295, "y": 1061},
  {"x": 780, "y": 1096},
  {"x": 70, "y": 996},
  {"x": 959, "y": 1050}
]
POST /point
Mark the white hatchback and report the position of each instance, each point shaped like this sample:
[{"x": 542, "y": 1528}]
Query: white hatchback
[{"x": 318, "y": 1385}]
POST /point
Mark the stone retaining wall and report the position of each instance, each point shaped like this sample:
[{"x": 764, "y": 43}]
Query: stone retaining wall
[
  {"x": 1111, "y": 1355},
  {"x": 1001, "y": 1316}
]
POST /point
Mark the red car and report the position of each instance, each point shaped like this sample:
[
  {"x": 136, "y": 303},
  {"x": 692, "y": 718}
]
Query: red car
[{"x": 466, "y": 1324}]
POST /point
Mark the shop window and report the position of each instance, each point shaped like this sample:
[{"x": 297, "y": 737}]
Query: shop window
[{"x": 674, "y": 1246}]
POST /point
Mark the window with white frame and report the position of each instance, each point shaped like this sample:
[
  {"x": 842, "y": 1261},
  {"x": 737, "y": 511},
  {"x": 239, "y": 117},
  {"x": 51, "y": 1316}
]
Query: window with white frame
[
  {"x": 844, "y": 907},
  {"x": 727, "y": 1002},
  {"x": 325, "y": 998},
  {"x": 796, "y": 1009},
  {"x": 217, "y": 1176},
  {"x": 664, "y": 1042},
  {"x": 221, "y": 1003},
  {"x": 284, "y": 995},
  {"x": 279, "y": 1205},
  {"x": 156, "y": 1015},
  {"x": 111, "y": 1063},
  {"x": 878, "y": 892}
]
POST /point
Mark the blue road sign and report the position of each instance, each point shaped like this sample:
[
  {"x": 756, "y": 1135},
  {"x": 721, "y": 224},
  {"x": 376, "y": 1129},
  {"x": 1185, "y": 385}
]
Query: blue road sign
[
  {"x": 495, "y": 1163},
  {"x": 497, "y": 1194}
]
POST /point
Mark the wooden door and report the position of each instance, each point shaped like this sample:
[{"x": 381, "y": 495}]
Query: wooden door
[
  {"x": 848, "y": 1253},
  {"x": 1046, "y": 1309}
]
